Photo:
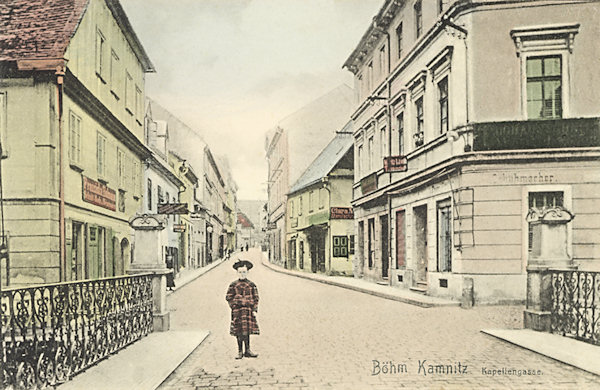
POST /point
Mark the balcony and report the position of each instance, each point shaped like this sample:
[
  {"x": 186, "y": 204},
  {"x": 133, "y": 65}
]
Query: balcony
[{"x": 536, "y": 134}]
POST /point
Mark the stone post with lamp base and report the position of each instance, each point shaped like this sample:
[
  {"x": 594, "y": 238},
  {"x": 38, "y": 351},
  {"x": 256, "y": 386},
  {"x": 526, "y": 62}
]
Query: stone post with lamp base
[{"x": 150, "y": 233}]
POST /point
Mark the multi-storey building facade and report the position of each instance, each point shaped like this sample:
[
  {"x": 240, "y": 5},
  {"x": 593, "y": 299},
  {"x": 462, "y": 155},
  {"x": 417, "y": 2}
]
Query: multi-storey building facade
[
  {"x": 320, "y": 224},
  {"x": 161, "y": 192},
  {"x": 290, "y": 147},
  {"x": 71, "y": 128},
  {"x": 470, "y": 115}
]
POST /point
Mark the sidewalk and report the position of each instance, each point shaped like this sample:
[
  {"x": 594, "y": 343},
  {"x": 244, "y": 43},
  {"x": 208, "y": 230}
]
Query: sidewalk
[
  {"x": 143, "y": 365},
  {"x": 387, "y": 292},
  {"x": 188, "y": 276},
  {"x": 564, "y": 349}
]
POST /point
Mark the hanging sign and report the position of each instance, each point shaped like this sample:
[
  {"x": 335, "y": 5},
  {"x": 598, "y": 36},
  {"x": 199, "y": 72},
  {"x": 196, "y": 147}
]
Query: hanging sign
[
  {"x": 341, "y": 213},
  {"x": 395, "y": 164}
]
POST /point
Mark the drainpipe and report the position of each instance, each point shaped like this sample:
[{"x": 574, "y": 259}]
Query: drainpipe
[{"x": 60, "y": 73}]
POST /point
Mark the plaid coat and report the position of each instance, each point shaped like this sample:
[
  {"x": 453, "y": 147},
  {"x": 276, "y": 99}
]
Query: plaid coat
[{"x": 242, "y": 296}]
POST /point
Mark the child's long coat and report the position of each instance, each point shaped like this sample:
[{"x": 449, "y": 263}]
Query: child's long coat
[{"x": 242, "y": 296}]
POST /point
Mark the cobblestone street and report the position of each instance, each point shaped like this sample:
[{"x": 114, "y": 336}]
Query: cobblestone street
[{"x": 318, "y": 337}]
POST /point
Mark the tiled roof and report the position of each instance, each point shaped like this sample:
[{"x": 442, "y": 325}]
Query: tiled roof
[
  {"x": 326, "y": 160},
  {"x": 244, "y": 221},
  {"x": 38, "y": 29},
  {"x": 42, "y": 29}
]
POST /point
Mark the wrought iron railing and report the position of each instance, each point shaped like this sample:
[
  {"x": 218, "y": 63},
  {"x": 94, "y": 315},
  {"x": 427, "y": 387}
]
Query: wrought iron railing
[
  {"x": 575, "y": 306},
  {"x": 52, "y": 332}
]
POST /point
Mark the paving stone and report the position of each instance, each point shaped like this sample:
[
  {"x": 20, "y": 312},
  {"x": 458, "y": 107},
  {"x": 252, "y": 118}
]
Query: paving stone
[{"x": 317, "y": 336}]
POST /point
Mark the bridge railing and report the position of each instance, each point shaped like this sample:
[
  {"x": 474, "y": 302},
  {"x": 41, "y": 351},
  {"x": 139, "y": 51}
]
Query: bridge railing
[
  {"x": 575, "y": 308},
  {"x": 52, "y": 332}
]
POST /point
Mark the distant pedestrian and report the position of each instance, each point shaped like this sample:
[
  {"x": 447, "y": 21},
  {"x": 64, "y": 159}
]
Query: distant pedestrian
[
  {"x": 242, "y": 296},
  {"x": 246, "y": 247},
  {"x": 170, "y": 275}
]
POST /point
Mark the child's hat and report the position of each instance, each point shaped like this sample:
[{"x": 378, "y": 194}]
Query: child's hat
[{"x": 242, "y": 263}]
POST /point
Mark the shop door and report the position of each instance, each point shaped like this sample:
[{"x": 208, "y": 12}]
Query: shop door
[
  {"x": 301, "y": 255},
  {"x": 321, "y": 252},
  {"x": 385, "y": 265},
  {"x": 76, "y": 258},
  {"x": 92, "y": 254},
  {"x": 400, "y": 240},
  {"x": 420, "y": 217},
  {"x": 314, "y": 250}
]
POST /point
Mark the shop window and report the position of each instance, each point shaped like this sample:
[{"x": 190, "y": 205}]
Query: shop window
[
  {"x": 340, "y": 246},
  {"x": 351, "y": 244}
]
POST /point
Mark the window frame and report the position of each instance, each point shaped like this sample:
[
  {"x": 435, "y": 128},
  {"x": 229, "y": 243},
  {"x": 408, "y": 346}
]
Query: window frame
[
  {"x": 399, "y": 40},
  {"x": 419, "y": 133},
  {"x": 418, "y": 12},
  {"x": 100, "y": 155},
  {"x": 543, "y": 79},
  {"x": 443, "y": 103},
  {"x": 100, "y": 66},
  {"x": 74, "y": 138}
]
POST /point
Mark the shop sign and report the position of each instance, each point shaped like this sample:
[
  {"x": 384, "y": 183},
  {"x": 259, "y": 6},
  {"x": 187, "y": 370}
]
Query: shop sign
[
  {"x": 173, "y": 208},
  {"x": 395, "y": 164},
  {"x": 369, "y": 183},
  {"x": 98, "y": 194},
  {"x": 179, "y": 228},
  {"x": 341, "y": 213},
  {"x": 271, "y": 226}
]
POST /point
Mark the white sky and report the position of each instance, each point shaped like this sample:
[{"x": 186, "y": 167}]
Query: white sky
[{"x": 232, "y": 69}]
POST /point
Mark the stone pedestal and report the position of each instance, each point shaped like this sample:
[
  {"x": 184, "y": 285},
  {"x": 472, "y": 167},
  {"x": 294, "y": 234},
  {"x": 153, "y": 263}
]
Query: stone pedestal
[
  {"x": 539, "y": 299},
  {"x": 550, "y": 252},
  {"x": 149, "y": 236}
]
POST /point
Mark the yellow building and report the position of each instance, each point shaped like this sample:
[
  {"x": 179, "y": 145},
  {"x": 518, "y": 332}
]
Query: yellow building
[
  {"x": 320, "y": 224},
  {"x": 71, "y": 114}
]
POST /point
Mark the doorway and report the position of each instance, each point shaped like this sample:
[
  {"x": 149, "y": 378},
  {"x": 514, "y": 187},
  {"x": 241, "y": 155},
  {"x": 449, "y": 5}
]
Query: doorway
[
  {"x": 420, "y": 217},
  {"x": 385, "y": 260}
]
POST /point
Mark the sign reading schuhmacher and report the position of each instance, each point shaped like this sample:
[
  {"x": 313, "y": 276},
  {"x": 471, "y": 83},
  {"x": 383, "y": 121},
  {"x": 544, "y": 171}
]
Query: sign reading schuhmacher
[
  {"x": 98, "y": 194},
  {"x": 341, "y": 213}
]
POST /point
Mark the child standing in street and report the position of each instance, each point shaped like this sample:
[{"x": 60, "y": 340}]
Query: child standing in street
[{"x": 242, "y": 296}]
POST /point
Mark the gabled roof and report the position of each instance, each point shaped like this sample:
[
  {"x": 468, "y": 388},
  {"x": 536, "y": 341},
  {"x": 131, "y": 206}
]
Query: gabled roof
[
  {"x": 42, "y": 29},
  {"x": 243, "y": 220},
  {"x": 326, "y": 160}
]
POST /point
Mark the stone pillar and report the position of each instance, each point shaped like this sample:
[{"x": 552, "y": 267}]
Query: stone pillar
[
  {"x": 539, "y": 299},
  {"x": 550, "y": 254},
  {"x": 150, "y": 234}
]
